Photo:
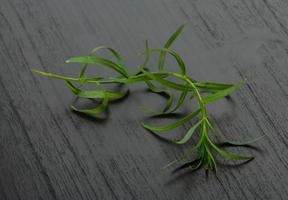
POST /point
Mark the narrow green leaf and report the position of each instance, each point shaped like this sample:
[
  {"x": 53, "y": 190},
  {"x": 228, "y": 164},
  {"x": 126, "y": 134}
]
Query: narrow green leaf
[
  {"x": 186, "y": 153},
  {"x": 95, "y": 94},
  {"x": 234, "y": 143},
  {"x": 212, "y": 86},
  {"x": 211, "y": 159},
  {"x": 222, "y": 93},
  {"x": 94, "y": 111},
  {"x": 83, "y": 70},
  {"x": 169, "y": 42},
  {"x": 182, "y": 156},
  {"x": 189, "y": 134},
  {"x": 66, "y": 78},
  {"x": 165, "y": 82},
  {"x": 153, "y": 88},
  {"x": 192, "y": 165},
  {"x": 214, "y": 130},
  {"x": 180, "y": 101},
  {"x": 168, "y": 127},
  {"x": 147, "y": 54},
  {"x": 52, "y": 75},
  {"x": 147, "y": 110},
  {"x": 135, "y": 78},
  {"x": 243, "y": 143},
  {"x": 119, "y": 59},
  {"x": 99, "y": 60},
  {"x": 177, "y": 57},
  {"x": 229, "y": 155},
  {"x": 146, "y": 60}
]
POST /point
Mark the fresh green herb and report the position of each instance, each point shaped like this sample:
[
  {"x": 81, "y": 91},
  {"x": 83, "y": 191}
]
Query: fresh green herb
[{"x": 204, "y": 148}]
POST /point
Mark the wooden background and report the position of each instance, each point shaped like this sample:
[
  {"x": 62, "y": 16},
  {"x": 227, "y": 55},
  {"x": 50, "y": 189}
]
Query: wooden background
[{"x": 48, "y": 152}]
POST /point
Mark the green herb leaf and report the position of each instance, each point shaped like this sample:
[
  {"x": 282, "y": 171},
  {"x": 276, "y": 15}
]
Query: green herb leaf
[
  {"x": 169, "y": 42},
  {"x": 189, "y": 134},
  {"x": 100, "y": 61},
  {"x": 147, "y": 55},
  {"x": 193, "y": 165},
  {"x": 177, "y": 57},
  {"x": 222, "y": 93},
  {"x": 159, "y": 91},
  {"x": 173, "y": 125},
  {"x": 133, "y": 79},
  {"x": 165, "y": 82},
  {"x": 180, "y": 101},
  {"x": 116, "y": 55},
  {"x": 187, "y": 152},
  {"x": 119, "y": 59},
  {"x": 181, "y": 157},
  {"x": 234, "y": 143},
  {"x": 95, "y": 94},
  {"x": 94, "y": 111},
  {"x": 229, "y": 155},
  {"x": 244, "y": 143},
  {"x": 212, "y": 86}
]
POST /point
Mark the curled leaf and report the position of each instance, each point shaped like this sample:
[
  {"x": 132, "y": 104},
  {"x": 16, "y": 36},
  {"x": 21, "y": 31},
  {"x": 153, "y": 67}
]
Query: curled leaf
[
  {"x": 119, "y": 60},
  {"x": 177, "y": 57},
  {"x": 95, "y": 94},
  {"x": 94, "y": 112},
  {"x": 100, "y": 61},
  {"x": 160, "y": 91}
]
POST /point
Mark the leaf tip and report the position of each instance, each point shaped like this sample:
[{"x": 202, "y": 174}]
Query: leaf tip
[
  {"x": 73, "y": 108},
  {"x": 243, "y": 81},
  {"x": 144, "y": 125},
  {"x": 36, "y": 71},
  {"x": 68, "y": 60},
  {"x": 184, "y": 23}
]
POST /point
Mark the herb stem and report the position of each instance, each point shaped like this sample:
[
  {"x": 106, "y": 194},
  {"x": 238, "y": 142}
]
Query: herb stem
[
  {"x": 195, "y": 91},
  {"x": 204, "y": 145}
]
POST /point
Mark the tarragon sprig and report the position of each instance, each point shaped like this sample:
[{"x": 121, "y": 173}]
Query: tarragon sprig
[{"x": 204, "y": 92}]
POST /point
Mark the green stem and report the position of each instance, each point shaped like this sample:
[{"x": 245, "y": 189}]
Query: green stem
[{"x": 196, "y": 93}]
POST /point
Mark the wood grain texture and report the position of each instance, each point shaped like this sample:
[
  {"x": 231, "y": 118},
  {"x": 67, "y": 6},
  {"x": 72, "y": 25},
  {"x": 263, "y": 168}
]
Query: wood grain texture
[{"x": 48, "y": 152}]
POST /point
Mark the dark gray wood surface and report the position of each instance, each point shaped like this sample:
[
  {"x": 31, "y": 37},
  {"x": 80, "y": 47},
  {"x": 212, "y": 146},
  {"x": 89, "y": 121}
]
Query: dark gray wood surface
[{"x": 48, "y": 152}]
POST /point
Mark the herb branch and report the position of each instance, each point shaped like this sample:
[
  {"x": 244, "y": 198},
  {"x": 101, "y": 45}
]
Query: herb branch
[{"x": 204, "y": 92}]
